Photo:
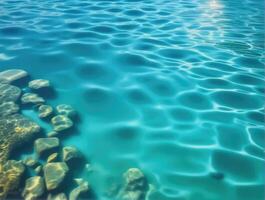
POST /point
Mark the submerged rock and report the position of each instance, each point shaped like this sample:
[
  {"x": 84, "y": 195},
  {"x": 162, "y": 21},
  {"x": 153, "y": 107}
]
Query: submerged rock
[
  {"x": 31, "y": 98},
  {"x": 14, "y": 131},
  {"x": 9, "y": 93},
  {"x": 61, "y": 123},
  {"x": 54, "y": 174},
  {"x": 83, "y": 187},
  {"x": 52, "y": 134},
  {"x": 42, "y": 145},
  {"x": 11, "y": 75},
  {"x": 34, "y": 188},
  {"x": 8, "y": 108},
  {"x": 39, "y": 83},
  {"x": 60, "y": 196},
  {"x": 10, "y": 175},
  {"x": 52, "y": 158},
  {"x": 30, "y": 162},
  {"x": 45, "y": 111},
  {"x": 65, "y": 109},
  {"x": 135, "y": 185},
  {"x": 38, "y": 169},
  {"x": 70, "y": 153}
]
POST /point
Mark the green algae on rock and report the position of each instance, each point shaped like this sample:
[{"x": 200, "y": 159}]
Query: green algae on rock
[
  {"x": 34, "y": 188},
  {"x": 43, "y": 145},
  {"x": 45, "y": 111},
  {"x": 31, "y": 98},
  {"x": 54, "y": 174},
  {"x": 70, "y": 153},
  {"x": 14, "y": 131},
  {"x": 10, "y": 175},
  {"x": 11, "y": 75},
  {"x": 64, "y": 109},
  {"x": 8, "y": 108},
  {"x": 38, "y": 84},
  {"x": 82, "y": 187},
  {"x": 9, "y": 93},
  {"x": 61, "y": 123}
]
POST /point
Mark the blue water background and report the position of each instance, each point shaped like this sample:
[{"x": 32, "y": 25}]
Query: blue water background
[{"x": 175, "y": 88}]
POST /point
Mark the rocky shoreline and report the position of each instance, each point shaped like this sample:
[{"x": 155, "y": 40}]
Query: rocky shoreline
[{"x": 51, "y": 165}]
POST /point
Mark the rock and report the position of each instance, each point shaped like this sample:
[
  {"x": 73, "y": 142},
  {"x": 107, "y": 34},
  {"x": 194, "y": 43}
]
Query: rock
[
  {"x": 14, "y": 131},
  {"x": 10, "y": 175},
  {"x": 34, "y": 188},
  {"x": 42, "y": 145},
  {"x": 9, "y": 93},
  {"x": 82, "y": 187},
  {"x": 38, "y": 169},
  {"x": 61, "y": 123},
  {"x": 11, "y": 75},
  {"x": 52, "y": 158},
  {"x": 52, "y": 134},
  {"x": 31, "y": 98},
  {"x": 30, "y": 162},
  {"x": 135, "y": 185},
  {"x": 60, "y": 196},
  {"x": 54, "y": 174},
  {"x": 70, "y": 153},
  {"x": 8, "y": 108},
  {"x": 65, "y": 109},
  {"x": 45, "y": 111},
  {"x": 38, "y": 84}
]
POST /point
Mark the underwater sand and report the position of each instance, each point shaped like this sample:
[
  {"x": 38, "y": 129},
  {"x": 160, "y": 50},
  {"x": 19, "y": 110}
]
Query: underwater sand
[{"x": 175, "y": 88}]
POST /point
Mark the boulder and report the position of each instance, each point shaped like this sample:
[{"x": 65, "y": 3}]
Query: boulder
[
  {"x": 14, "y": 131},
  {"x": 135, "y": 185},
  {"x": 60, "y": 196},
  {"x": 64, "y": 109},
  {"x": 45, "y": 111},
  {"x": 31, "y": 98},
  {"x": 9, "y": 93},
  {"x": 34, "y": 188},
  {"x": 38, "y": 169},
  {"x": 54, "y": 174},
  {"x": 8, "y": 108},
  {"x": 43, "y": 145},
  {"x": 61, "y": 123},
  {"x": 38, "y": 84},
  {"x": 82, "y": 187},
  {"x": 30, "y": 162},
  {"x": 52, "y": 134},
  {"x": 11, "y": 75},
  {"x": 70, "y": 153},
  {"x": 10, "y": 175}
]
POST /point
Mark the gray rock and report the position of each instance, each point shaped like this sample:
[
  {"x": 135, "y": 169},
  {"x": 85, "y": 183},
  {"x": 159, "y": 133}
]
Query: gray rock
[
  {"x": 38, "y": 84},
  {"x": 34, "y": 188},
  {"x": 10, "y": 175},
  {"x": 82, "y": 187},
  {"x": 54, "y": 174},
  {"x": 11, "y": 75},
  {"x": 60, "y": 196},
  {"x": 8, "y": 108},
  {"x": 61, "y": 123},
  {"x": 70, "y": 153},
  {"x": 31, "y": 98},
  {"x": 45, "y": 111},
  {"x": 65, "y": 109},
  {"x": 42, "y": 145},
  {"x": 9, "y": 93},
  {"x": 15, "y": 130}
]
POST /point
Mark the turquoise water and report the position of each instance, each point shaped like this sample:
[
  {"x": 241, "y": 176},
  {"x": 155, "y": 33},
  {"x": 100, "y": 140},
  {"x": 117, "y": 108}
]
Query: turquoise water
[{"x": 175, "y": 88}]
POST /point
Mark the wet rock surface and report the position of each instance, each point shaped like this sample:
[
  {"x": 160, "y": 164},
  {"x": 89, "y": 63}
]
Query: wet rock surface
[
  {"x": 32, "y": 98},
  {"x": 70, "y": 153},
  {"x": 64, "y": 109},
  {"x": 45, "y": 111},
  {"x": 82, "y": 188},
  {"x": 7, "y": 108},
  {"x": 9, "y": 93},
  {"x": 9, "y": 76},
  {"x": 39, "y": 83},
  {"x": 61, "y": 123},
  {"x": 43, "y": 145},
  {"x": 60, "y": 196}
]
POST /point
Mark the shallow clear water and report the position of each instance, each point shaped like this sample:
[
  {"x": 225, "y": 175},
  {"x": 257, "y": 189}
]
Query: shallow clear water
[{"x": 175, "y": 88}]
